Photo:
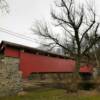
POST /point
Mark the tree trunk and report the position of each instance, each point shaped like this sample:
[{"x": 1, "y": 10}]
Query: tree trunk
[
  {"x": 77, "y": 66},
  {"x": 76, "y": 78}
]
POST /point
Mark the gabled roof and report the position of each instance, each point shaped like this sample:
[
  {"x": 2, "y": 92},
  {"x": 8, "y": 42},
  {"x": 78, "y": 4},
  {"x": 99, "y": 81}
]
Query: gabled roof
[{"x": 28, "y": 49}]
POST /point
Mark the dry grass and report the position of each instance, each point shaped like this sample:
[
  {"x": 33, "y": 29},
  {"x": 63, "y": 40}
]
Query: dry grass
[
  {"x": 35, "y": 92},
  {"x": 54, "y": 94}
]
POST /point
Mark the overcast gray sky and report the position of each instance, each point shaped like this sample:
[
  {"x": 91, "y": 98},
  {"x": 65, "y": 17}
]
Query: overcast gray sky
[{"x": 22, "y": 15}]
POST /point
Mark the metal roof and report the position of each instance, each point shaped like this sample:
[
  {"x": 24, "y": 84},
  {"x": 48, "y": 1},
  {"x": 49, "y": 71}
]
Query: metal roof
[{"x": 29, "y": 49}]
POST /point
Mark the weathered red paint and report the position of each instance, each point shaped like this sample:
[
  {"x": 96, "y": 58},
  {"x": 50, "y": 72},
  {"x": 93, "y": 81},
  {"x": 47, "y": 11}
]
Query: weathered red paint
[
  {"x": 10, "y": 52},
  {"x": 38, "y": 63},
  {"x": 86, "y": 69}
]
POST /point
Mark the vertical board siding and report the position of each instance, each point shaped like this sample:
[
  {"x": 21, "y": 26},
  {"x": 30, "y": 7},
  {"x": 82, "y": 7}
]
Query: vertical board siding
[
  {"x": 10, "y": 52},
  {"x": 38, "y": 63}
]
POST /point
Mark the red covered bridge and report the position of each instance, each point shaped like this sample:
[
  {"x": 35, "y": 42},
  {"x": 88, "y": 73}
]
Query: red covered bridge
[{"x": 33, "y": 60}]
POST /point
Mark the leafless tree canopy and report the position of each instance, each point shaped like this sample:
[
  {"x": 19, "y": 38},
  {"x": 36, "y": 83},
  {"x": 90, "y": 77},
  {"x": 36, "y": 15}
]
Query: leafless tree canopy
[
  {"x": 79, "y": 25},
  {"x": 4, "y": 7}
]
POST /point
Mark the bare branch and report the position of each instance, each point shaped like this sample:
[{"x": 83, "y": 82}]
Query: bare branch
[
  {"x": 4, "y": 6},
  {"x": 85, "y": 32},
  {"x": 81, "y": 17},
  {"x": 93, "y": 41},
  {"x": 90, "y": 46},
  {"x": 60, "y": 20}
]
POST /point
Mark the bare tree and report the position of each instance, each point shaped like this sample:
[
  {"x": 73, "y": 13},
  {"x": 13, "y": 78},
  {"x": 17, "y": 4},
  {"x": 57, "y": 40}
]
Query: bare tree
[
  {"x": 79, "y": 25},
  {"x": 4, "y": 7}
]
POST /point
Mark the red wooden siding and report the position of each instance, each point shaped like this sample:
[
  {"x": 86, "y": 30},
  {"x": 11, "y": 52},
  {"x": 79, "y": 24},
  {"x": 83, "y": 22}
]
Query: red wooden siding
[
  {"x": 9, "y": 52},
  {"x": 86, "y": 69},
  {"x": 37, "y": 63}
]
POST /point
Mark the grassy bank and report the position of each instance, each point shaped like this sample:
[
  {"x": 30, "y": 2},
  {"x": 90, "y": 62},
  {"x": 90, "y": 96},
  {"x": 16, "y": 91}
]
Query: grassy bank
[{"x": 50, "y": 94}]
